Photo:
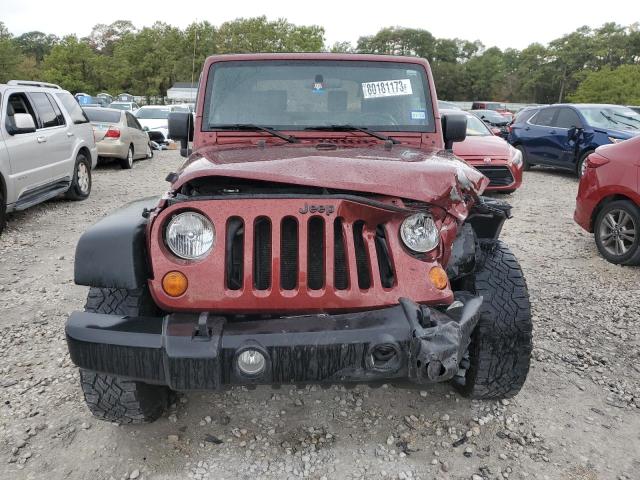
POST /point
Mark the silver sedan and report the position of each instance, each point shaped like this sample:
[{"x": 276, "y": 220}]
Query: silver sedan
[{"x": 119, "y": 135}]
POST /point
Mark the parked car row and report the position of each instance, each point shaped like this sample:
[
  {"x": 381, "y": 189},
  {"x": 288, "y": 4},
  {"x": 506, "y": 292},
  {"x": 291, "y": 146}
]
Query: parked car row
[
  {"x": 564, "y": 135},
  {"x": 50, "y": 141},
  {"x": 47, "y": 146}
]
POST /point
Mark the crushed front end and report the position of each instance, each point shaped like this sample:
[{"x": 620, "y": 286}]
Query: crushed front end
[{"x": 297, "y": 284}]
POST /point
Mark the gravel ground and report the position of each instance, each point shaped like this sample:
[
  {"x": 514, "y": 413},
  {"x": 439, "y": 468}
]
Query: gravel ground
[{"x": 578, "y": 416}]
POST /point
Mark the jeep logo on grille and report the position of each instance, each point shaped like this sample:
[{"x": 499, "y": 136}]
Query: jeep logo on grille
[{"x": 328, "y": 209}]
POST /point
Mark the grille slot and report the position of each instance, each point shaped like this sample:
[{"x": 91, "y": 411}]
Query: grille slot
[
  {"x": 289, "y": 253},
  {"x": 340, "y": 270},
  {"x": 498, "y": 176},
  {"x": 234, "y": 259},
  {"x": 315, "y": 254},
  {"x": 362, "y": 256},
  {"x": 262, "y": 253},
  {"x": 387, "y": 274}
]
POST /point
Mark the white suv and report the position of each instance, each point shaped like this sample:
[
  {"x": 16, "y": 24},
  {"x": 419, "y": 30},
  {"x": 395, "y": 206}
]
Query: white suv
[{"x": 46, "y": 146}]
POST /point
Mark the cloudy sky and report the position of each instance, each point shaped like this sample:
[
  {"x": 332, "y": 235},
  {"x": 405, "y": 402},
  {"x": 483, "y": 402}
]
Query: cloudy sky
[{"x": 492, "y": 22}]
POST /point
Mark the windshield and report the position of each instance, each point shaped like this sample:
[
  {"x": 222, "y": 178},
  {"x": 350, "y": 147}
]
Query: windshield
[
  {"x": 611, "y": 117},
  {"x": 153, "y": 113},
  {"x": 297, "y": 94},
  {"x": 121, "y": 106},
  {"x": 476, "y": 127},
  {"x": 103, "y": 116}
]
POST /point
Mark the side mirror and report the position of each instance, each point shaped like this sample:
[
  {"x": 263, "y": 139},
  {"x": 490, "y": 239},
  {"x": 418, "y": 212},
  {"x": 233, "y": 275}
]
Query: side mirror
[
  {"x": 454, "y": 129},
  {"x": 573, "y": 133},
  {"x": 22, "y": 123},
  {"x": 181, "y": 128}
]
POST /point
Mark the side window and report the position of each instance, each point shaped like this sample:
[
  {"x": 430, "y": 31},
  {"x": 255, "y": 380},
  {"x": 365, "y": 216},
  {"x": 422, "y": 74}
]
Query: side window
[
  {"x": 544, "y": 117},
  {"x": 131, "y": 121},
  {"x": 56, "y": 108},
  {"x": 567, "y": 118},
  {"x": 19, "y": 103},
  {"x": 47, "y": 114},
  {"x": 71, "y": 106}
]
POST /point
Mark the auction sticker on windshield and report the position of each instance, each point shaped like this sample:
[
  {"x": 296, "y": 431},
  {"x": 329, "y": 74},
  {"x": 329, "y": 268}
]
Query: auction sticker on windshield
[{"x": 387, "y": 88}]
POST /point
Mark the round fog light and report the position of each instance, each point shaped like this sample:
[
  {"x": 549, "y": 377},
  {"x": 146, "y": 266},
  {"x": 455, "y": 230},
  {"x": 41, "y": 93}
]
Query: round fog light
[{"x": 251, "y": 362}]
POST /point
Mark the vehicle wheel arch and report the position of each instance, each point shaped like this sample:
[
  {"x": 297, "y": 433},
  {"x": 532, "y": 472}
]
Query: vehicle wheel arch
[
  {"x": 607, "y": 200},
  {"x": 86, "y": 152}
]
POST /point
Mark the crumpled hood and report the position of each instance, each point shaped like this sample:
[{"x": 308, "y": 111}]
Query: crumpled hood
[{"x": 430, "y": 176}]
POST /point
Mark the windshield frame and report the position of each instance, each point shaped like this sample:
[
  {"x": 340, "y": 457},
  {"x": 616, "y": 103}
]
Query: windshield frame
[{"x": 419, "y": 68}]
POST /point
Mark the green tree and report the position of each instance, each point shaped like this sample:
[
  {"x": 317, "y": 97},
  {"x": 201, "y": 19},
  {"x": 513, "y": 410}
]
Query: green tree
[
  {"x": 36, "y": 44},
  {"x": 247, "y": 35},
  {"x": 71, "y": 64},
  {"x": 399, "y": 41},
  {"x": 11, "y": 58},
  {"x": 618, "y": 85}
]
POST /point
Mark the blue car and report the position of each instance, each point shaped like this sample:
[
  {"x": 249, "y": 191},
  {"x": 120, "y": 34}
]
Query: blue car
[{"x": 563, "y": 135}]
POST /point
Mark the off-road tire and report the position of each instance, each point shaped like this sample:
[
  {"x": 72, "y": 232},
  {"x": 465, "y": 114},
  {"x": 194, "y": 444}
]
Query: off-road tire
[
  {"x": 127, "y": 163},
  {"x": 117, "y": 399},
  {"x": 75, "y": 191},
  {"x": 632, "y": 256},
  {"x": 500, "y": 350},
  {"x": 526, "y": 166}
]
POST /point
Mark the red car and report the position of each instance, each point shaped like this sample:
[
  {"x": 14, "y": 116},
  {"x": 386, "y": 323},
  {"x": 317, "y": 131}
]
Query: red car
[
  {"x": 608, "y": 201},
  {"x": 489, "y": 153}
]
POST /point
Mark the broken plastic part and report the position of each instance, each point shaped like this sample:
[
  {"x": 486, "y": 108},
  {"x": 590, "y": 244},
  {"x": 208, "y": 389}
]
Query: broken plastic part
[{"x": 437, "y": 350}]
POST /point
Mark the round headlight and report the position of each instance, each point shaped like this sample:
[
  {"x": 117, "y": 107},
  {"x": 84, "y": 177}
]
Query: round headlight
[
  {"x": 190, "y": 235},
  {"x": 419, "y": 233}
]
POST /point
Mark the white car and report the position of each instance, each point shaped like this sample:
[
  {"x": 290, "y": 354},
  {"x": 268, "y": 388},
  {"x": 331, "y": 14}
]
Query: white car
[
  {"x": 127, "y": 106},
  {"x": 47, "y": 146},
  {"x": 155, "y": 120}
]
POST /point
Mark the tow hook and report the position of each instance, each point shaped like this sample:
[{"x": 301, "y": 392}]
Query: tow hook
[{"x": 439, "y": 340}]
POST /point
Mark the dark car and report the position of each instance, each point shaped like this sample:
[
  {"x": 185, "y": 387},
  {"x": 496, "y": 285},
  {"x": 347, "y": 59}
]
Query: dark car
[
  {"x": 564, "y": 135},
  {"x": 499, "y": 123},
  {"x": 608, "y": 201},
  {"x": 321, "y": 231},
  {"x": 499, "y": 107}
]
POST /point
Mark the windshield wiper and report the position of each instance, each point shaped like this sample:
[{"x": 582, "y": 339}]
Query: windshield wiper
[
  {"x": 348, "y": 127},
  {"x": 251, "y": 126},
  {"x": 627, "y": 118}
]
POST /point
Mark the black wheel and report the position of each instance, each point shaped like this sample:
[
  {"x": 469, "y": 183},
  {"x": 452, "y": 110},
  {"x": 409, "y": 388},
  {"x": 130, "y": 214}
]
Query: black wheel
[
  {"x": 581, "y": 166},
  {"x": 500, "y": 351},
  {"x": 117, "y": 399},
  {"x": 617, "y": 232},
  {"x": 3, "y": 210},
  {"x": 81, "y": 183},
  {"x": 526, "y": 166},
  {"x": 127, "y": 163},
  {"x": 149, "y": 151}
]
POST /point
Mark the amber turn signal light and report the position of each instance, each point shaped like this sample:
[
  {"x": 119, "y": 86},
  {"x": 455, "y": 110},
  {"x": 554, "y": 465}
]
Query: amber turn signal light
[
  {"x": 438, "y": 277},
  {"x": 174, "y": 284}
]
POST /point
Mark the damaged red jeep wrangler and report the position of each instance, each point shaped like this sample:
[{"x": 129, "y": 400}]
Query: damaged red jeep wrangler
[{"x": 321, "y": 231}]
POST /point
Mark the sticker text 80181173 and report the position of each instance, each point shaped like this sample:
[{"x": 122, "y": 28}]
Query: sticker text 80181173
[{"x": 387, "y": 88}]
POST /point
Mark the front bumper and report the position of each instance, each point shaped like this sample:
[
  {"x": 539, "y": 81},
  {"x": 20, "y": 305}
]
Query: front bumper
[{"x": 198, "y": 351}]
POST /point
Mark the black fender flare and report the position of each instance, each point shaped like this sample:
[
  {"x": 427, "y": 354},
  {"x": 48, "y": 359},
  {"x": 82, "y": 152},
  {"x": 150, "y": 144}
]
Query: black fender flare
[{"x": 112, "y": 253}]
